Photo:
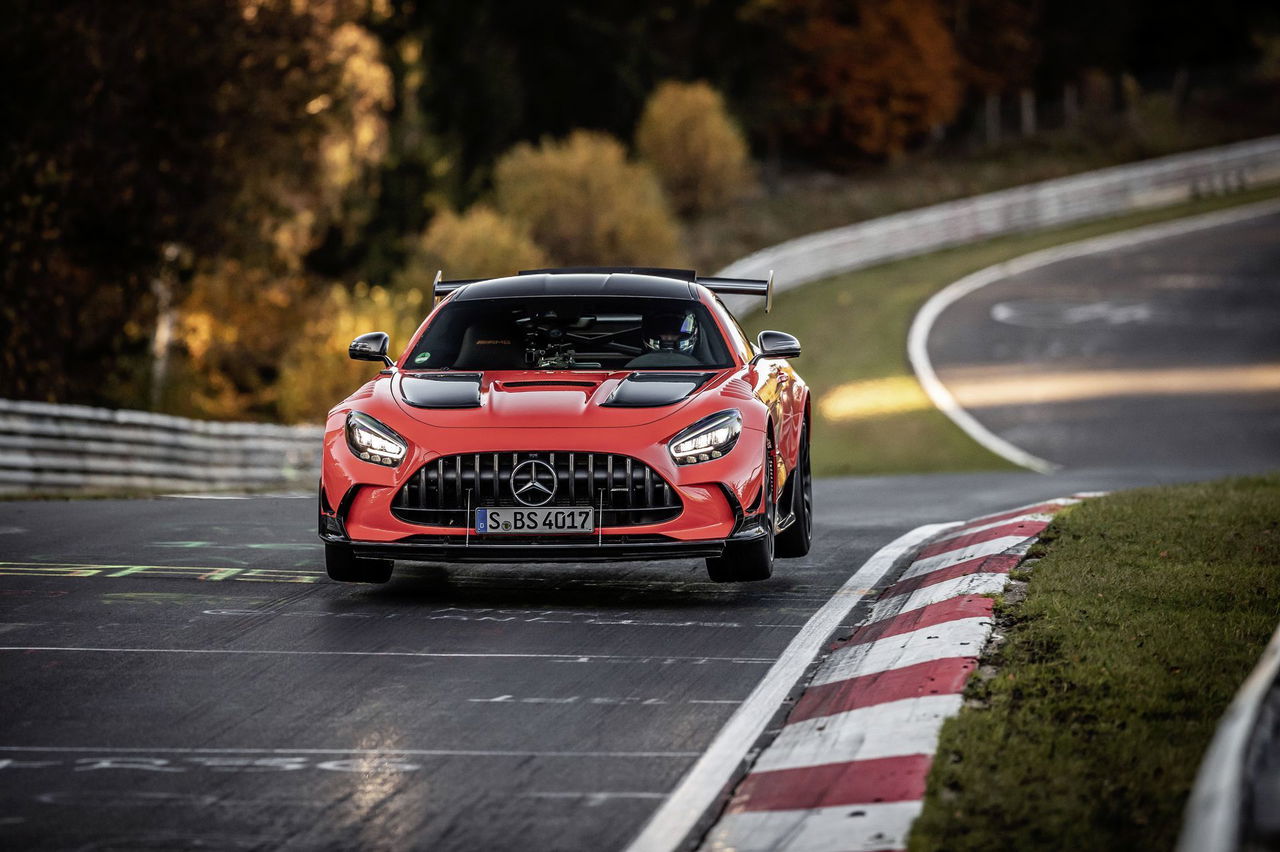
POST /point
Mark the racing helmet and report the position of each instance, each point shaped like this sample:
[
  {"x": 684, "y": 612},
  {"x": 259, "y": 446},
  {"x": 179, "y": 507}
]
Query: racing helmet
[{"x": 670, "y": 331}]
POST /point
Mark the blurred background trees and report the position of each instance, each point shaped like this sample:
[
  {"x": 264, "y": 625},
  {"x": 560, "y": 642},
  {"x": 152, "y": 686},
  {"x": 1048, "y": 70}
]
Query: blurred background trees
[
  {"x": 583, "y": 199},
  {"x": 200, "y": 199},
  {"x": 152, "y": 150},
  {"x": 695, "y": 147},
  {"x": 870, "y": 77}
]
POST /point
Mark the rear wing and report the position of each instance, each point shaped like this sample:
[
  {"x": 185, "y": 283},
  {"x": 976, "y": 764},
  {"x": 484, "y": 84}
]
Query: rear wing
[
  {"x": 440, "y": 287},
  {"x": 762, "y": 287}
]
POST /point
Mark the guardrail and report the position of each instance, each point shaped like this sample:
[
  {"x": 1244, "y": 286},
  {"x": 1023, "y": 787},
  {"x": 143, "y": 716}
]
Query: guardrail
[
  {"x": 1221, "y": 812},
  {"x": 60, "y": 448},
  {"x": 1063, "y": 201},
  {"x": 76, "y": 448}
]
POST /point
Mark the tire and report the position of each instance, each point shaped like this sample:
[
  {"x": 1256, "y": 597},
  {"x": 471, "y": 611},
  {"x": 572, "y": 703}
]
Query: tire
[
  {"x": 345, "y": 567},
  {"x": 796, "y": 539},
  {"x": 750, "y": 561}
]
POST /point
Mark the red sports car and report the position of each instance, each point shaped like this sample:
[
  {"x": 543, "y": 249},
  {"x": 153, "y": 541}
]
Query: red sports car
[{"x": 573, "y": 415}]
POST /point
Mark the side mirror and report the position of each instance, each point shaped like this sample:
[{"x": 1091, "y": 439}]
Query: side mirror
[
  {"x": 370, "y": 347},
  {"x": 777, "y": 344}
]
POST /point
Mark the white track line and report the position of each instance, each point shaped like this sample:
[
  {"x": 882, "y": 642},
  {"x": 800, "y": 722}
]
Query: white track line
[
  {"x": 571, "y": 658},
  {"x": 593, "y": 798},
  {"x": 918, "y": 337},
  {"x": 892, "y": 729},
  {"x": 855, "y": 828},
  {"x": 411, "y": 752},
  {"x": 703, "y": 784}
]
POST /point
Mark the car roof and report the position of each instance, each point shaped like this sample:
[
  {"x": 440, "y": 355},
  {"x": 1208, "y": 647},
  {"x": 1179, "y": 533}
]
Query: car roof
[{"x": 569, "y": 283}]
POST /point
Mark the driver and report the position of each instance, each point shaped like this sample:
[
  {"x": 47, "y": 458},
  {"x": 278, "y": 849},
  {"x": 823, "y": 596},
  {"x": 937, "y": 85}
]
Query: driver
[{"x": 670, "y": 331}]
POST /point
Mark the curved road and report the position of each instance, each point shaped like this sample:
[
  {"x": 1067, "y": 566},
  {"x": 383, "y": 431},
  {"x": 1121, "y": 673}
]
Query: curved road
[
  {"x": 1163, "y": 354},
  {"x": 177, "y": 672}
]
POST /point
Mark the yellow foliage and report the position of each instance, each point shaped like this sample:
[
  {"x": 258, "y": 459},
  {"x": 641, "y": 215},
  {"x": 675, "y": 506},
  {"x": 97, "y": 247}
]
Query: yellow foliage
[
  {"x": 354, "y": 140},
  {"x": 227, "y": 341},
  {"x": 315, "y": 373},
  {"x": 694, "y": 146},
  {"x": 253, "y": 345},
  {"x": 479, "y": 243},
  {"x": 585, "y": 204}
]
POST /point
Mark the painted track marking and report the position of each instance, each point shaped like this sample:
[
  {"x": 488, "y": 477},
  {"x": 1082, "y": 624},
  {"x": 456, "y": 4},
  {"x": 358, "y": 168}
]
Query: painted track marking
[
  {"x": 823, "y": 828},
  {"x": 892, "y": 729},
  {"x": 703, "y": 784},
  {"x": 922, "y": 324},
  {"x": 373, "y": 752},
  {"x": 927, "y": 645},
  {"x": 568, "y": 658}
]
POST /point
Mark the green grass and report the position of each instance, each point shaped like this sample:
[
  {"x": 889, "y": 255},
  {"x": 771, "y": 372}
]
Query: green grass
[
  {"x": 854, "y": 328},
  {"x": 1145, "y": 614}
]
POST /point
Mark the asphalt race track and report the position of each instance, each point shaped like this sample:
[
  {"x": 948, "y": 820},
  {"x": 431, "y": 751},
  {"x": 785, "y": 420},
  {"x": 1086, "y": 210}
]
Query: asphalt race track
[
  {"x": 179, "y": 674},
  {"x": 1165, "y": 353}
]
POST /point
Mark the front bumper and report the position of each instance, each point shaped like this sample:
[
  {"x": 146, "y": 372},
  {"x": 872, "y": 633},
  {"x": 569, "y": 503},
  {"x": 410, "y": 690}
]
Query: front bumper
[
  {"x": 610, "y": 548},
  {"x": 440, "y": 549},
  {"x": 718, "y": 499}
]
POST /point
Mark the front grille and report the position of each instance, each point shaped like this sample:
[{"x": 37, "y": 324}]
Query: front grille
[{"x": 624, "y": 491}]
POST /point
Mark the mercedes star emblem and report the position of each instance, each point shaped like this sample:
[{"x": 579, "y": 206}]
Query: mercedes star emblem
[{"x": 533, "y": 482}]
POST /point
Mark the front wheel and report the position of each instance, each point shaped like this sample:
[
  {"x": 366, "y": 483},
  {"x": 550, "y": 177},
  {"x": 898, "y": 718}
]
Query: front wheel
[
  {"x": 341, "y": 564},
  {"x": 746, "y": 561},
  {"x": 796, "y": 539}
]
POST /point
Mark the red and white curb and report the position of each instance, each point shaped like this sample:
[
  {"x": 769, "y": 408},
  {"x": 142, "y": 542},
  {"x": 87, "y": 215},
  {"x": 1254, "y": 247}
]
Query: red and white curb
[{"x": 847, "y": 771}]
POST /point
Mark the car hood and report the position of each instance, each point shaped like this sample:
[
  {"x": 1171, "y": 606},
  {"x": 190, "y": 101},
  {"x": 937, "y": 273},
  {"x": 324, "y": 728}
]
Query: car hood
[{"x": 547, "y": 399}]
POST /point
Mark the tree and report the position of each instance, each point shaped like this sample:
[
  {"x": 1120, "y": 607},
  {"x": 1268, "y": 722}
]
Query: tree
[
  {"x": 694, "y": 146},
  {"x": 586, "y": 204},
  {"x": 149, "y": 142},
  {"x": 864, "y": 77},
  {"x": 315, "y": 371},
  {"x": 478, "y": 243},
  {"x": 997, "y": 41}
]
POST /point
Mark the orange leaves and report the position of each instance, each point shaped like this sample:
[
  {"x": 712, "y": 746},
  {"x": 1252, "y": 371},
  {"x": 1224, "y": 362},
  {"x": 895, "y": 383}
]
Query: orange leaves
[{"x": 867, "y": 77}]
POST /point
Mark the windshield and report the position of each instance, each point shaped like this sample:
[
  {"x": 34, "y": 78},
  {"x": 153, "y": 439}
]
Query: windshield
[{"x": 571, "y": 333}]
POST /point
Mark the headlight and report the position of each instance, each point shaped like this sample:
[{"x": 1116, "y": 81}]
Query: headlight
[
  {"x": 708, "y": 439},
  {"x": 373, "y": 442}
]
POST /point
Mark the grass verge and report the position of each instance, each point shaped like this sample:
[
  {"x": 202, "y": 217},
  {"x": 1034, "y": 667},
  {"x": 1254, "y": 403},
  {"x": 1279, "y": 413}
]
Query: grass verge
[
  {"x": 1146, "y": 612},
  {"x": 854, "y": 331}
]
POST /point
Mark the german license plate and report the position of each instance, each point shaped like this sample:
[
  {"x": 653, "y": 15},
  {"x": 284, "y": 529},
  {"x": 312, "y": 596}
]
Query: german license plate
[{"x": 507, "y": 521}]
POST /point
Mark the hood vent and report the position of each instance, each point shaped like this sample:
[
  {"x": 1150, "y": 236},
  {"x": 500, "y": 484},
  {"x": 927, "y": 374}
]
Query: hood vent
[
  {"x": 442, "y": 390},
  {"x": 651, "y": 390}
]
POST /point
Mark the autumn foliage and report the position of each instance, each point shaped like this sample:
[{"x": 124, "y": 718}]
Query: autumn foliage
[
  {"x": 200, "y": 199},
  {"x": 477, "y": 243},
  {"x": 205, "y": 144},
  {"x": 585, "y": 203},
  {"x": 694, "y": 146},
  {"x": 315, "y": 372},
  {"x": 866, "y": 77}
]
